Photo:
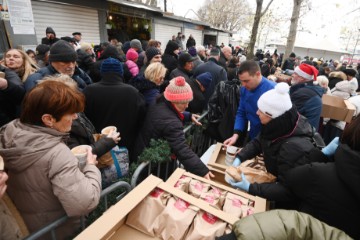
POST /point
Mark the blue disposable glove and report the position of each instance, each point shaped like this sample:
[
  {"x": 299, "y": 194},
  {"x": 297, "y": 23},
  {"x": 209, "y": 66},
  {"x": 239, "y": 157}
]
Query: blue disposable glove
[
  {"x": 330, "y": 149},
  {"x": 236, "y": 162},
  {"x": 243, "y": 185}
]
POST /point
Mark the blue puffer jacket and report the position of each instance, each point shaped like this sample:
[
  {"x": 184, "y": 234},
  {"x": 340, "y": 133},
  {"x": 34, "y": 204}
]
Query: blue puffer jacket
[{"x": 80, "y": 77}]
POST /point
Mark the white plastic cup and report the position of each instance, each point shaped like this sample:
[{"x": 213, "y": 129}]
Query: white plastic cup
[
  {"x": 107, "y": 130},
  {"x": 230, "y": 155},
  {"x": 81, "y": 153}
]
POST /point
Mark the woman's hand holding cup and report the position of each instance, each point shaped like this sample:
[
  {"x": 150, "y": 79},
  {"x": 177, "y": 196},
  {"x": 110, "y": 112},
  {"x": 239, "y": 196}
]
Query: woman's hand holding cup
[
  {"x": 115, "y": 136},
  {"x": 91, "y": 158}
]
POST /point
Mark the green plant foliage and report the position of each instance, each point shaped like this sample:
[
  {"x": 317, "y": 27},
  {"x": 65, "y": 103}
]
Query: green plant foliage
[{"x": 158, "y": 151}]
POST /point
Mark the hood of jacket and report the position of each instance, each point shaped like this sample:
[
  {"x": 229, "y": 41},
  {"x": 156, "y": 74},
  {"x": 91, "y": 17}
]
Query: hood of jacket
[
  {"x": 338, "y": 75},
  {"x": 171, "y": 47},
  {"x": 347, "y": 162},
  {"x": 21, "y": 144},
  {"x": 345, "y": 86}
]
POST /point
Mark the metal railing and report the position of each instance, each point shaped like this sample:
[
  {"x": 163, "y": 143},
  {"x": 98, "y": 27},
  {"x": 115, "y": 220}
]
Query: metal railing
[
  {"x": 104, "y": 195},
  {"x": 144, "y": 165}
]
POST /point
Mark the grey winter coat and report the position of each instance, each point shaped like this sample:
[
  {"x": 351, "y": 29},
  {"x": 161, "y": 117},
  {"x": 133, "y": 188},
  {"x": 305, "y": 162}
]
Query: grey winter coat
[{"x": 45, "y": 181}]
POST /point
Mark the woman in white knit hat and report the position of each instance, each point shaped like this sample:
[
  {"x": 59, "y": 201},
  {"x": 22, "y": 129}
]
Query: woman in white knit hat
[{"x": 284, "y": 140}]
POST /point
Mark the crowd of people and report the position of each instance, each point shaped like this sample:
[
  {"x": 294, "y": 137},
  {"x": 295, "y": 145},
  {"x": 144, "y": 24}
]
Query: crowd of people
[{"x": 59, "y": 96}]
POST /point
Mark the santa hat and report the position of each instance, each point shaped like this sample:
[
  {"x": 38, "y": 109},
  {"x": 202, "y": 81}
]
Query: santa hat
[
  {"x": 275, "y": 102},
  {"x": 307, "y": 71}
]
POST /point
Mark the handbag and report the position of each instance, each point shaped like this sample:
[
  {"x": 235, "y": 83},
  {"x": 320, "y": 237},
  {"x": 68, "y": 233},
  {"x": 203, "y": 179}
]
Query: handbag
[{"x": 113, "y": 164}]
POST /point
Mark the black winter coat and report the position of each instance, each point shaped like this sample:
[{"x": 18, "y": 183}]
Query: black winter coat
[
  {"x": 82, "y": 132},
  {"x": 170, "y": 61},
  {"x": 163, "y": 122},
  {"x": 190, "y": 42},
  {"x": 110, "y": 51},
  {"x": 222, "y": 61},
  {"x": 180, "y": 72},
  {"x": 285, "y": 142},
  {"x": 222, "y": 107},
  {"x": 288, "y": 64},
  {"x": 334, "y": 78},
  {"x": 49, "y": 42},
  {"x": 330, "y": 191},
  {"x": 11, "y": 97},
  {"x": 198, "y": 104},
  {"x": 111, "y": 102}
]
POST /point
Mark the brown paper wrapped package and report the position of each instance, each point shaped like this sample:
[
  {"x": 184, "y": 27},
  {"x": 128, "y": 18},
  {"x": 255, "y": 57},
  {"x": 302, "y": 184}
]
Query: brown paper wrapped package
[
  {"x": 196, "y": 188},
  {"x": 206, "y": 227},
  {"x": 142, "y": 217},
  {"x": 252, "y": 175},
  {"x": 175, "y": 220}
]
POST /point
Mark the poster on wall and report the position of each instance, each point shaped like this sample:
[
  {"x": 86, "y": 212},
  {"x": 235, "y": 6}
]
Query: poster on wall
[
  {"x": 4, "y": 11},
  {"x": 21, "y": 16}
]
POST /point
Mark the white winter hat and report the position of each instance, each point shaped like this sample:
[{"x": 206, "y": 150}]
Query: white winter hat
[{"x": 275, "y": 102}]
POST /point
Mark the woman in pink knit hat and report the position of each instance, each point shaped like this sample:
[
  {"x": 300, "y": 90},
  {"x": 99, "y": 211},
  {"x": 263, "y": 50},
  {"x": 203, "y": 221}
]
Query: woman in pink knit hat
[
  {"x": 131, "y": 59},
  {"x": 165, "y": 120}
]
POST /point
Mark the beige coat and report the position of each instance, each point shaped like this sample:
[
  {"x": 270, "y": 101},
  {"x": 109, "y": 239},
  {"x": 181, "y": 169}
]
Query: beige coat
[{"x": 45, "y": 182}]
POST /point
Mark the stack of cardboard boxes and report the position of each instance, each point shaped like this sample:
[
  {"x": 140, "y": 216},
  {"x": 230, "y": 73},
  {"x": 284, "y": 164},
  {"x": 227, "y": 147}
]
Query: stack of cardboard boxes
[{"x": 185, "y": 207}]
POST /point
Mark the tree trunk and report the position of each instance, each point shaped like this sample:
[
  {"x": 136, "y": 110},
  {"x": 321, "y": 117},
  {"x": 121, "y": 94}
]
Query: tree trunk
[
  {"x": 250, "y": 51},
  {"x": 258, "y": 15},
  {"x": 293, "y": 29}
]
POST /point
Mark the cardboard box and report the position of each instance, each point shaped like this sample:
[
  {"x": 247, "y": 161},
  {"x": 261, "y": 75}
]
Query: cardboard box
[
  {"x": 260, "y": 203},
  {"x": 111, "y": 225},
  {"x": 337, "y": 108},
  {"x": 217, "y": 159}
]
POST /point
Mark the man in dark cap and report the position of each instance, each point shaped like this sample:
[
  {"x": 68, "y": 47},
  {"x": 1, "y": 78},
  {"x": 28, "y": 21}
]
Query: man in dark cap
[
  {"x": 62, "y": 60},
  {"x": 70, "y": 40},
  {"x": 185, "y": 66},
  {"x": 50, "y": 38},
  {"x": 77, "y": 36},
  {"x": 42, "y": 55}
]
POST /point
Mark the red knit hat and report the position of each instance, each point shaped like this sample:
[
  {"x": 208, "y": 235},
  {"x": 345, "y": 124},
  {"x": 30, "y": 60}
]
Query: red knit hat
[
  {"x": 178, "y": 91},
  {"x": 307, "y": 71},
  {"x": 132, "y": 55}
]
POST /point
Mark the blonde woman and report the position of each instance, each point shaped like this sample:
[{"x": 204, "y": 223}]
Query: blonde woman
[
  {"x": 149, "y": 83},
  {"x": 18, "y": 61}
]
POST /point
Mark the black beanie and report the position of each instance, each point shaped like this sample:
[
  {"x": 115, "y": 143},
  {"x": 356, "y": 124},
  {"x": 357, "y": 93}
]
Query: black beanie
[
  {"x": 152, "y": 52},
  {"x": 62, "y": 51}
]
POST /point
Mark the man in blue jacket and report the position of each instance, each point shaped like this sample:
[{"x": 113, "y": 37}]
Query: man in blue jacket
[
  {"x": 305, "y": 95},
  {"x": 253, "y": 86}
]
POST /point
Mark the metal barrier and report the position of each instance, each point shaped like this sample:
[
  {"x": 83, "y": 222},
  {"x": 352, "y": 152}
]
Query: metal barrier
[
  {"x": 104, "y": 194},
  {"x": 143, "y": 165}
]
